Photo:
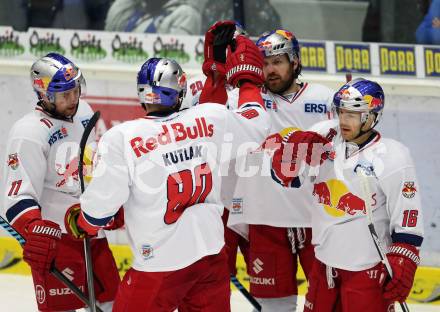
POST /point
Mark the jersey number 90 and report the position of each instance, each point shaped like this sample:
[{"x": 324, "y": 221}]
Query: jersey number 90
[{"x": 187, "y": 188}]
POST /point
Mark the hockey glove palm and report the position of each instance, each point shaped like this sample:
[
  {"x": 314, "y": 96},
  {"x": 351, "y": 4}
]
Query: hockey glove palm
[
  {"x": 245, "y": 63},
  {"x": 41, "y": 245},
  {"x": 404, "y": 259},
  {"x": 217, "y": 38}
]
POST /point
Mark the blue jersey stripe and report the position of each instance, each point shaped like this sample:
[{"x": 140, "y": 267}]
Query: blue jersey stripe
[
  {"x": 97, "y": 221},
  {"x": 19, "y": 207}
]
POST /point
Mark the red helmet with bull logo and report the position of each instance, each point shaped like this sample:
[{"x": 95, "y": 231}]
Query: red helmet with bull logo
[{"x": 361, "y": 95}]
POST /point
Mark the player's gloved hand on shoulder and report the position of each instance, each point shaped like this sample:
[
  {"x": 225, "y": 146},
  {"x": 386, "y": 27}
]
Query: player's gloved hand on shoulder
[
  {"x": 217, "y": 39},
  {"x": 404, "y": 259},
  {"x": 41, "y": 245},
  {"x": 298, "y": 147},
  {"x": 245, "y": 63}
]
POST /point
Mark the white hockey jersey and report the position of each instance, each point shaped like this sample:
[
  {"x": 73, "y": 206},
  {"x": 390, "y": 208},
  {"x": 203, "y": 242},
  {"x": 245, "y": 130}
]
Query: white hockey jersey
[
  {"x": 165, "y": 172},
  {"x": 42, "y": 164},
  {"x": 257, "y": 198},
  {"x": 340, "y": 233}
]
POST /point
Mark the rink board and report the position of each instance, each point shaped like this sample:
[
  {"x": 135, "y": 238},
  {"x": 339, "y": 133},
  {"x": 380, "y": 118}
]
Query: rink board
[{"x": 426, "y": 287}]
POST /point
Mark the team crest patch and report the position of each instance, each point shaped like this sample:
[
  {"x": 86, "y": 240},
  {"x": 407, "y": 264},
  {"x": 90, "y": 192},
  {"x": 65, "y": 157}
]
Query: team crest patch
[
  {"x": 13, "y": 161},
  {"x": 147, "y": 252},
  {"x": 409, "y": 190},
  {"x": 237, "y": 206}
]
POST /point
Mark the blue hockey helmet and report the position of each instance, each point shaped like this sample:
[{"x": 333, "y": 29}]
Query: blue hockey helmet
[
  {"x": 55, "y": 73},
  {"x": 361, "y": 95}
]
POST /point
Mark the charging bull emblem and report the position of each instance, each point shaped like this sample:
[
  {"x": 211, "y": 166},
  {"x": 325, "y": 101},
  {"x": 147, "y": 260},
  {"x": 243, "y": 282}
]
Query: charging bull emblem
[
  {"x": 69, "y": 171},
  {"x": 337, "y": 199},
  {"x": 13, "y": 161}
]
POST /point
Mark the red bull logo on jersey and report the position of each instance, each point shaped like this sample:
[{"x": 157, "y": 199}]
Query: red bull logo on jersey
[
  {"x": 13, "y": 162},
  {"x": 174, "y": 132},
  {"x": 69, "y": 171},
  {"x": 409, "y": 190},
  {"x": 337, "y": 200},
  {"x": 147, "y": 252}
]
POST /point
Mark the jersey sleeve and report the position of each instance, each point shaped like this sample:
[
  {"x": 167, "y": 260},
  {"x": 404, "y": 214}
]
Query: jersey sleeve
[
  {"x": 249, "y": 125},
  {"x": 109, "y": 187},
  {"x": 403, "y": 204},
  {"x": 25, "y": 172}
]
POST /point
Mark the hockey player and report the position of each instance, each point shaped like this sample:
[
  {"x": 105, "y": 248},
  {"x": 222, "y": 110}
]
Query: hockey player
[
  {"x": 347, "y": 274},
  {"x": 279, "y": 219},
  {"x": 213, "y": 87},
  {"x": 41, "y": 183},
  {"x": 164, "y": 168}
]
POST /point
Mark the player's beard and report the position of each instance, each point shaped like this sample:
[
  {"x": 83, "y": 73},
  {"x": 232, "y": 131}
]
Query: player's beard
[{"x": 283, "y": 85}]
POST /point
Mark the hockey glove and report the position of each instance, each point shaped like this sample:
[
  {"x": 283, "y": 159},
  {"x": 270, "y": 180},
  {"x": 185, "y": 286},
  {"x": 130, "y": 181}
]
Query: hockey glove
[
  {"x": 41, "y": 245},
  {"x": 298, "y": 147},
  {"x": 404, "y": 259},
  {"x": 245, "y": 63},
  {"x": 71, "y": 222},
  {"x": 217, "y": 39}
]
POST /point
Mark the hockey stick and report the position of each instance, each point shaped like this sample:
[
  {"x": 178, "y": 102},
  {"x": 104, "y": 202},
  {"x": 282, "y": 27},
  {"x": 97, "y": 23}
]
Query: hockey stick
[
  {"x": 87, "y": 250},
  {"x": 245, "y": 293},
  {"x": 364, "y": 175},
  {"x": 53, "y": 270}
]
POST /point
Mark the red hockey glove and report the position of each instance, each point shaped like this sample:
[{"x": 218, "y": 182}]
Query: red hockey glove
[
  {"x": 217, "y": 38},
  {"x": 41, "y": 246},
  {"x": 245, "y": 63},
  {"x": 404, "y": 259},
  {"x": 298, "y": 147}
]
